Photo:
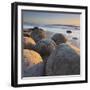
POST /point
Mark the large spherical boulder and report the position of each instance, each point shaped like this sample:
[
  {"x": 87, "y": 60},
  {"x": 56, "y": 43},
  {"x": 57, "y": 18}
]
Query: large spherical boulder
[
  {"x": 32, "y": 64},
  {"x": 63, "y": 61},
  {"x": 28, "y": 43},
  {"x": 45, "y": 47},
  {"x": 59, "y": 38},
  {"x": 38, "y": 34}
]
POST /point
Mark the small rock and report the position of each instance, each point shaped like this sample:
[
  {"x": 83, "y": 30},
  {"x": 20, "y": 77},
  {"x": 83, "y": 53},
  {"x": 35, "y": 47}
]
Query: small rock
[
  {"x": 75, "y": 38},
  {"x": 68, "y": 31}
]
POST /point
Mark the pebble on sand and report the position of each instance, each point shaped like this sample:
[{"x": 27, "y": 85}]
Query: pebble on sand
[{"x": 68, "y": 31}]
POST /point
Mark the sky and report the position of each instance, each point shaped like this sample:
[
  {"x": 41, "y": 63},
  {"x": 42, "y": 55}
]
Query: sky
[{"x": 40, "y": 17}]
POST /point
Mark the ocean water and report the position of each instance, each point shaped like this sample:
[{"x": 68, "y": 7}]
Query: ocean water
[{"x": 73, "y": 38}]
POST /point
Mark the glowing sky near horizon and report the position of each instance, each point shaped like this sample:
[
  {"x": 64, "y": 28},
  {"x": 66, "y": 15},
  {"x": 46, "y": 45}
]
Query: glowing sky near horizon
[{"x": 39, "y": 17}]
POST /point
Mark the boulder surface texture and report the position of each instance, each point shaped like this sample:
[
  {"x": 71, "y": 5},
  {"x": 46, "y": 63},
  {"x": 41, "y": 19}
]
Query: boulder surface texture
[
  {"x": 32, "y": 64},
  {"x": 65, "y": 60},
  {"x": 28, "y": 43},
  {"x": 59, "y": 38},
  {"x": 45, "y": 47},
  {"x": 38, "y": 34}
]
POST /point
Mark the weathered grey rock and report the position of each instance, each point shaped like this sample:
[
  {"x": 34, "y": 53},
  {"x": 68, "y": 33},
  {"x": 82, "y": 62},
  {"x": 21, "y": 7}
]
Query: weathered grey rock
[
  {"x": 27, "y": 32},
  {"x": 38, "y": 34},
  {"x": 65, "y": 60},
  {"x": 32, "y": 64},
  {"x": 59, "y": 38},
  {"x": 45, "y": 47},
  {"x": 28, "y": 43}
]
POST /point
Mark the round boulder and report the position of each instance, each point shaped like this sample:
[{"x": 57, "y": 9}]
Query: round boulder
[
  {"x": 59, "y": 38},
  {"x": 38, "y": 34},
  {"x": 32, "y": 64},
  {"x": 28, "y": 43},
  {"x": 45, "y": 47},
  {"x": 27, "y": 32},
  {"x": 64, "y": 60}
]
